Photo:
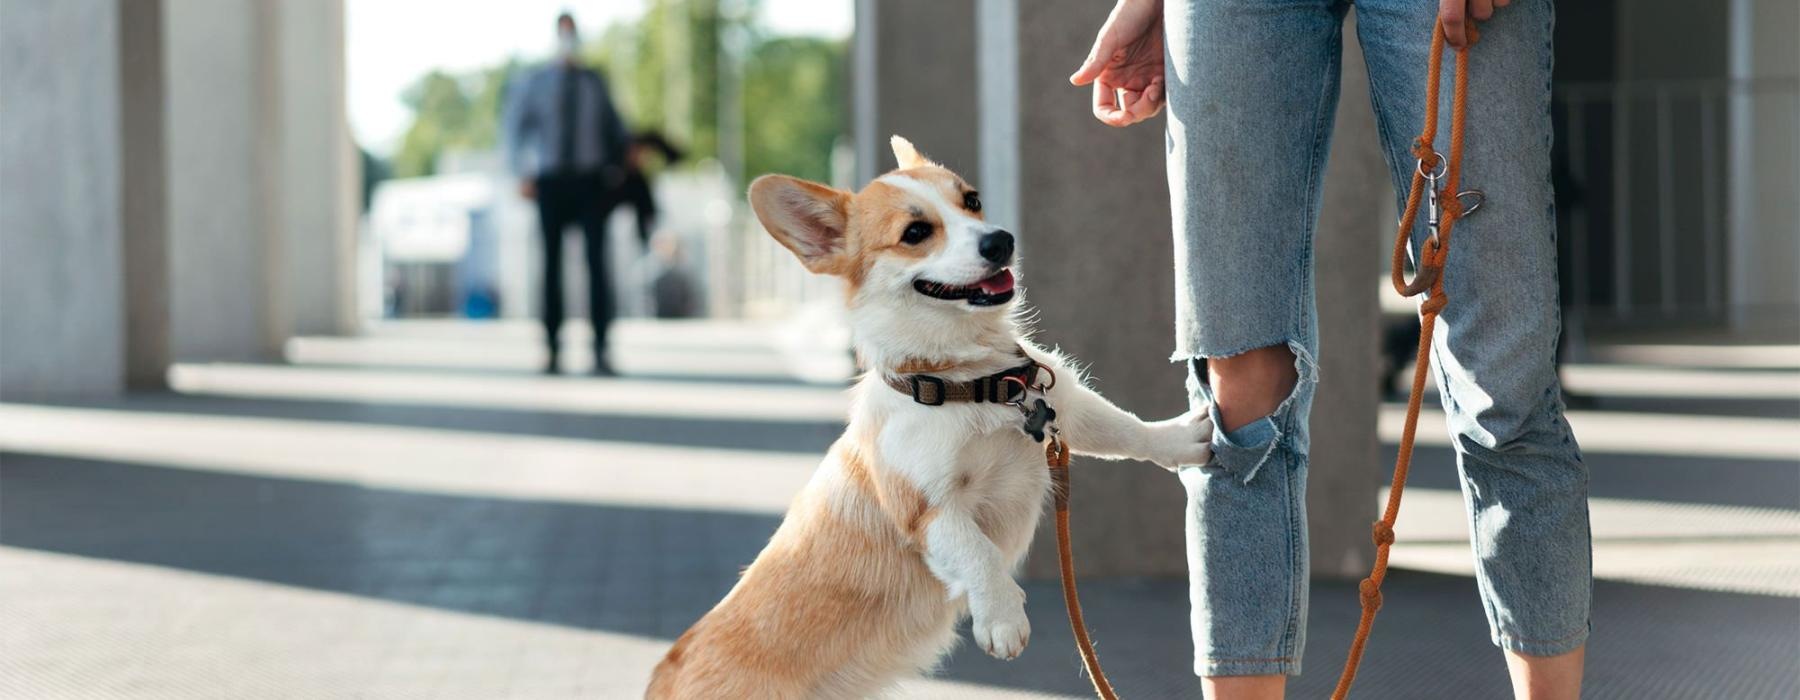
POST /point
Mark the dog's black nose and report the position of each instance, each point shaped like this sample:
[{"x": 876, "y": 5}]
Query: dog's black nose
[{"x": 997, "y": 247}]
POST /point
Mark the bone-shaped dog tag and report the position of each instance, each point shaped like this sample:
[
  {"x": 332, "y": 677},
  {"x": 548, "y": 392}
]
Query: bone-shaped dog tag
[{"x": 1039, "y": 415}]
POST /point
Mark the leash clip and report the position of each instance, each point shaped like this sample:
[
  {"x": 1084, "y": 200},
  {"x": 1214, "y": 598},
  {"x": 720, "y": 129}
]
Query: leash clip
[
  {"x": 1038, "y": 416},
  {"x": 1433, "y": 213}
]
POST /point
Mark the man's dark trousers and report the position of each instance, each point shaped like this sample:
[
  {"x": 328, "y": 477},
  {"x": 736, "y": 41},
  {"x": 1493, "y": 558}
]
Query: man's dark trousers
[{"x": 587, "y": 200}]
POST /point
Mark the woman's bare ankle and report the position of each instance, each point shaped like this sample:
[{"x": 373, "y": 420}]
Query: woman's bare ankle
[
  {"x": 1270, "y": 687},
  {"x": 1546, "y": 677}
]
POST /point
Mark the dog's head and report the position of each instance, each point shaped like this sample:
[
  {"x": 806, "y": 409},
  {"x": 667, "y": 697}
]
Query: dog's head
[{"x": 913, "y": 237}]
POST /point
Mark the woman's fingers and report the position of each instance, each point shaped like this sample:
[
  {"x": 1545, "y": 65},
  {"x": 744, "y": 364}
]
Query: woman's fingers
[
  {"x": 1144, "y": 105},
  {"x": 1481, "y": 9},
  {"x": 1106, "y": 106},
  {"x": 1121, "y": 107},
  {"x": 1106, "y": 51},
  {"x": 1450, "y": 14}
]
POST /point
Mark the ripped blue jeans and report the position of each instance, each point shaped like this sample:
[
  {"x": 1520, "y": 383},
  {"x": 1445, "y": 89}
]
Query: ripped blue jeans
[{"x": 1253, "y": 88}]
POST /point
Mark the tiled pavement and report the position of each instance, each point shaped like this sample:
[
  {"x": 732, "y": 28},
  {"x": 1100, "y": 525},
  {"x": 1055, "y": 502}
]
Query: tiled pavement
[{"x": 418, "y": 534}]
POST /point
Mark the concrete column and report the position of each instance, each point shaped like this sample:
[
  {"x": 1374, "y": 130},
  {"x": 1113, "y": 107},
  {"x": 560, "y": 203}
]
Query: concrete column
[
  {"x": 315, "y": 169},
  {"x": 60, "y": 244},
  {"x": 1356, "y": 223},
  {"x": 1091, "y": 206},
  {"x": 145, "y": 193},
  {"x": 1087, "y": 198},
  {"x": 921, "y": 73},
  {"x": 1764, "y": 196},
  {"x": 219, "y": 249}
]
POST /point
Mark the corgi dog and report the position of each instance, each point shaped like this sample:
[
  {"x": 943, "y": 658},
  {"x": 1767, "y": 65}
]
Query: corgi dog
[{"x": 922, "y": 510}]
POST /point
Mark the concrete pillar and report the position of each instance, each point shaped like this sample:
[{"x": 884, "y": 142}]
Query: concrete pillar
[
  {"x": 179, "y": 184},
  {"x": 262, "y": 176},
  {"x": 920, "y": 71},
  {"x": 1356, "y": 224},
  {"x": 145, "y": 190},
  {"x": 316, "y": 169},
  {"x": 1764, "y": 196},
  {"x": 1085, "y": 198},
  {"x": 221, "y": 295},
  {"x": 60, "y": 243}
]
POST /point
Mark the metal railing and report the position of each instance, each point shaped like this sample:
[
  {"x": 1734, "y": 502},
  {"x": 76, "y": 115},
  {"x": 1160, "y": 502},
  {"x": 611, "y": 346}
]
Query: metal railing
[{"x": 1644, "y": 176}]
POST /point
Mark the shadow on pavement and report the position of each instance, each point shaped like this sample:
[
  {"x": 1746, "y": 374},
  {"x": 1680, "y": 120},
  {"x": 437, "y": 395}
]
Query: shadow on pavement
[
  {"x": 781, "y": 436},
  {"x": 651, "y": 572},
  {"x": 1726, "y": 481}
]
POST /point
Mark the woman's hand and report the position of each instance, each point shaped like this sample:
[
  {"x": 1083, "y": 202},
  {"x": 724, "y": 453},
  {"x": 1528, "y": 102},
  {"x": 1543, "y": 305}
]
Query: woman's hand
[
  {"x": 1126, "y": 64},
  {"x": 1454, "y": 14}
]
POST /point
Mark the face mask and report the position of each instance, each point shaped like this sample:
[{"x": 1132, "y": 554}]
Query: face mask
[{"x": 567, "y": 45}]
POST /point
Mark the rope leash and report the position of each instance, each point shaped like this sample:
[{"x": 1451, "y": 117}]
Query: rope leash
[
  {"x": 1056, "y": 456},
  {"x": 1445, "y": 206},
  {"x": 1430, "y": 278}
]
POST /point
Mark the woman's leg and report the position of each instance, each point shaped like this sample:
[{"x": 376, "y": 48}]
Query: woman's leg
[
  {"x": 1522, "y": 474},
  {"x": 1252, "y": 94}
]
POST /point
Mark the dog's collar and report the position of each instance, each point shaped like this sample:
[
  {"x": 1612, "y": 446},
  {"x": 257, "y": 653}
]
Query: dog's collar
[{"x": 1004, "y": 387}]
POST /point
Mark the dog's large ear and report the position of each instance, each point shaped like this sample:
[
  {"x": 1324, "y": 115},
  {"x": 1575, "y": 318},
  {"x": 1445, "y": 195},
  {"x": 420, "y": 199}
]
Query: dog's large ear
[
  {"x": 906, "y": 155},
  {"x": 806, "y": 217}
]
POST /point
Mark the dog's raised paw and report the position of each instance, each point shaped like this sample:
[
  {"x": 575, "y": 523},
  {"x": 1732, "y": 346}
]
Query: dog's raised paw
[
  {"x": 1184, "y": 440},
  {"x": 1004, "y": 637},
  {"x": 1000, "y": 626}
]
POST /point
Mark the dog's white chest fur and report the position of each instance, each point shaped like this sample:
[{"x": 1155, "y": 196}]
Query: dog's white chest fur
[{"x": 996, "y": 472}]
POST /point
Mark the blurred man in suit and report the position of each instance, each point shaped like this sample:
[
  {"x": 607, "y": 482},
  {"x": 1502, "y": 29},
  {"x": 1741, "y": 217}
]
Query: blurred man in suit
[{"x": 567, "y": 144}]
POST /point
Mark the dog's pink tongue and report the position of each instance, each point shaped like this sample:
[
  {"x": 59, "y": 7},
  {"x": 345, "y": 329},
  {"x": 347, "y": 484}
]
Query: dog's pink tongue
[{"x": 998, "y": 284}]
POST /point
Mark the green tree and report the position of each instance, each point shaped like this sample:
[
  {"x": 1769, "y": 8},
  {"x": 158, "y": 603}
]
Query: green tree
[
  {"x": 664, "y": 70},
  {"x": 664, "y": 73},
  {"x": 794, "y": 106},
  {"x": 451, "y": 112}
]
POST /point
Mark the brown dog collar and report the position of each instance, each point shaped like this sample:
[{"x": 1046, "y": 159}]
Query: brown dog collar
[{"x": 1005, "y": 387}]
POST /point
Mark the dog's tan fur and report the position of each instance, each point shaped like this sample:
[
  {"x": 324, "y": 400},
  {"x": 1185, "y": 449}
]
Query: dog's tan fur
[{"x": 831, "y": 607}]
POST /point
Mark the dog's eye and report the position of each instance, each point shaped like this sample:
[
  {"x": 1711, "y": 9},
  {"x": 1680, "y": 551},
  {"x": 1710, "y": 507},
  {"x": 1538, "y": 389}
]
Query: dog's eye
[
  {"x": 972, "y": 201},
  {"x": 915, "y": 232}
]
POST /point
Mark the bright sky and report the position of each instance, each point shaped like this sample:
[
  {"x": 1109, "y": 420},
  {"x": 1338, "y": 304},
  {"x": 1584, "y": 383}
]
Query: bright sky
[{"x": 391, "y": 43}]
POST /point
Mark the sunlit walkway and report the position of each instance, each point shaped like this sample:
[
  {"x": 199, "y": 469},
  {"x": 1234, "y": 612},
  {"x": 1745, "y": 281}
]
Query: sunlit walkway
[{"x": 415, "y": 513}]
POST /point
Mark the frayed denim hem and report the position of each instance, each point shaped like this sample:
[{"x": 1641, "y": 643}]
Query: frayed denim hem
[
  {"x": 1539, "y": 647},
  {"x": 1247, "y": 667}
]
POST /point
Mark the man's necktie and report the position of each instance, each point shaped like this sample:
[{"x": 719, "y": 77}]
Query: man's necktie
[{"x": 566, "y": 144}]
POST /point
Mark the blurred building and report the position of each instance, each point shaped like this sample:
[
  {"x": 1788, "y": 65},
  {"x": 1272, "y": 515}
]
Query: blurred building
[{"x": 462, "y": 243}]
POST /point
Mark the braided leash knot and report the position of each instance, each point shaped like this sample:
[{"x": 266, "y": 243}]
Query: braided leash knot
[
  {"x": 1371, "y": 594},
  {"x": 1382, "y": 533},
  {"x": 1423, "y": 152}
]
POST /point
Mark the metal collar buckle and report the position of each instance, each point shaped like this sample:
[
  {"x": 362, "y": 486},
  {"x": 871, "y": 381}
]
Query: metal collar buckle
[{"x": 919, "y": 380}]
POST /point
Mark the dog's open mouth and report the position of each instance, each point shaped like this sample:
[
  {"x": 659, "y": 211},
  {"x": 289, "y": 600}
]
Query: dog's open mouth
[{"x": 995, "y": 290}]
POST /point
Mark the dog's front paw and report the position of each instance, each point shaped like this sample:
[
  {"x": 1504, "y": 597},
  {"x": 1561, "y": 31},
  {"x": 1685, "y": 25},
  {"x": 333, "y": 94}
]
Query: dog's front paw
[
  {"x": 1000, "y": 625},
  {"x": 1183, "y": 440}
]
